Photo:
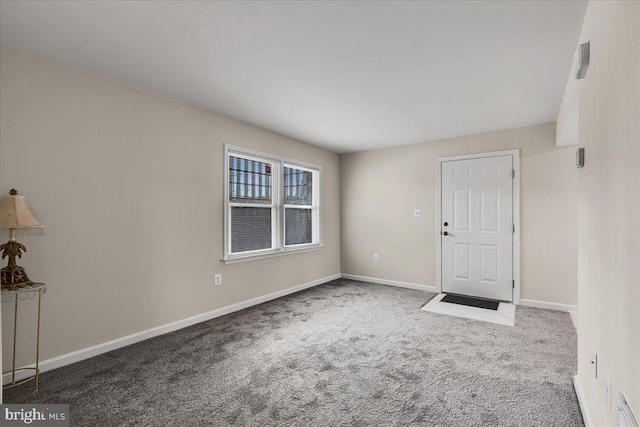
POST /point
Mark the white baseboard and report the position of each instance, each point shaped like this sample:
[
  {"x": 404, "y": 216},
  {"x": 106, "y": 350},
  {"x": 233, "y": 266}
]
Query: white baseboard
[
  {"x": 582, "y": 401},
  {"x": 571, "y": 309},
  {"x": 574, "y": 319},
  {"x": 548, "y": 305},
  {"x": 390, "y": 282},
  {"x": 86, "y": 353}
]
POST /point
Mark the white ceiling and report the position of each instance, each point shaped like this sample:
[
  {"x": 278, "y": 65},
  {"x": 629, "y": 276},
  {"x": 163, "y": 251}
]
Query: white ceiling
[{"x": 347, "y": 76}]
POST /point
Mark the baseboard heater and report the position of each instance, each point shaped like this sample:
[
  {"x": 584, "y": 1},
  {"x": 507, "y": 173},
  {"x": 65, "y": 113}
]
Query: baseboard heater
[{"x": 625, "y": 417}]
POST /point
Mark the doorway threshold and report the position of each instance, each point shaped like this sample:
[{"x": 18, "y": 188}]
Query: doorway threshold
[{"x": 504, "y": 315}]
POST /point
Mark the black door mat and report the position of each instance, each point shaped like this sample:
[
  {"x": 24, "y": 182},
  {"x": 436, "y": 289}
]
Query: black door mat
[{"x": 472, "y": 302}]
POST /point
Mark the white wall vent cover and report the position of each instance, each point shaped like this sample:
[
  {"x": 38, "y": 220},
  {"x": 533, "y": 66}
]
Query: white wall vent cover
[
  {"x": 625, "y": 417},
  {"x": 583, "y": 60}
]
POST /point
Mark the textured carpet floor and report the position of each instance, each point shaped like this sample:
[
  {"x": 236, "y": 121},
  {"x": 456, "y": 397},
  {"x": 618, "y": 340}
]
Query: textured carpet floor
[{"x": 342, "y": 354}]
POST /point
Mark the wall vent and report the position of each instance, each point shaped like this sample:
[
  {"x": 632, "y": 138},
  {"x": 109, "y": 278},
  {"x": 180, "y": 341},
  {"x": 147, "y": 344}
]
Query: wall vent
[
  {"x": 583, "y": 60},
  {"x": 625, "y": 417}
]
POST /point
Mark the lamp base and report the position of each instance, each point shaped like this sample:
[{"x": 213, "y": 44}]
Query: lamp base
[{"x": 13, "y": 277}]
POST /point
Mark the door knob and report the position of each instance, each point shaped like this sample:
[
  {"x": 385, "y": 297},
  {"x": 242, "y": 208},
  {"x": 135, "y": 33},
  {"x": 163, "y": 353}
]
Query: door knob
[{"x": 446, "y": 233}]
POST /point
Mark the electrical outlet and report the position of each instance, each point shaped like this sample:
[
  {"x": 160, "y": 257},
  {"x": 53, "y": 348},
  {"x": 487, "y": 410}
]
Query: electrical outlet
[
  {"x": 376, "y": 258},
  {"x": 607, "y": 391},
  {"x": 217, "y": 280},
  {"x": 417, "y": 213},
  {"x": 594, "y": 364}
]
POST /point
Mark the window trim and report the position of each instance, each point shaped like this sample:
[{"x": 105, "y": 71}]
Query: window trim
[{"x": 277, "y": 193}]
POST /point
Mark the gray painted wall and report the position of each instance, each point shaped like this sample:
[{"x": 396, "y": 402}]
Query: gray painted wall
[
  {"x": 129, "y": 187},
  {"x": 380, "y": 189}
]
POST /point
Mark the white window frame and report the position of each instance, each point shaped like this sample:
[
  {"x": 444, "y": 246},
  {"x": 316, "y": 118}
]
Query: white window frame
[
  {"x": 277, "y": 206},
  {"x": 315, "y": 205}
]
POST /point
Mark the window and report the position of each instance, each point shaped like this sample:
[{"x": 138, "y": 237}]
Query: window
[
  {"x": 272, "y": 205},
  {"x": 251, "y": 204}
]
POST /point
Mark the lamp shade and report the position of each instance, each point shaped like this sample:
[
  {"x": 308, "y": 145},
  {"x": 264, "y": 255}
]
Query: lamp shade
[{"x": 15, "y": 212}]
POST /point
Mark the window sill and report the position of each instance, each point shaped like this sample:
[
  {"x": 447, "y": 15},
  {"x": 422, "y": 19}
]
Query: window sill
[{"x": 278, "y": 253}]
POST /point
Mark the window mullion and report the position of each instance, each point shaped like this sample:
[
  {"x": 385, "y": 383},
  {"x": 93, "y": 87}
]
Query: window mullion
[{"x": 281, "y": 210}]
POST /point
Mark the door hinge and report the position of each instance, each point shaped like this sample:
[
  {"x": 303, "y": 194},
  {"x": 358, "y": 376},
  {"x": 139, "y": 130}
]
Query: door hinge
[
  {"x": 513, "y": 284},
  {"x": 513, "y": 173},
  {"x": 514, "y": 228}
]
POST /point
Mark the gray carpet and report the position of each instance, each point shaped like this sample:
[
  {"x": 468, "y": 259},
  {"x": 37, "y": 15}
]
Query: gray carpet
[{"x": 342, "y": 354}]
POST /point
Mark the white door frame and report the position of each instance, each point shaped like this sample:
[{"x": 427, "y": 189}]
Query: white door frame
[{"x": 515, "y": 154}]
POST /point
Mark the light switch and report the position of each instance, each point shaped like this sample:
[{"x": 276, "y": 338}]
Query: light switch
[{"x": 417, "y": 213}]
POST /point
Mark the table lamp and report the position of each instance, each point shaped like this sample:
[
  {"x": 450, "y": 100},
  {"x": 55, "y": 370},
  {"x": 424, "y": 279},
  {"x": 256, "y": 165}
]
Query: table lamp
[{"x": 14, "y": 214}]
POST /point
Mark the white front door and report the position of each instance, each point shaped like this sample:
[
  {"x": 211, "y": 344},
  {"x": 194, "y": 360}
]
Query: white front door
[{"x": 477, "y": 227}]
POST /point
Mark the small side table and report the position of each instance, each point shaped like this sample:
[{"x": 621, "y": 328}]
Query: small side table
[{"x": 17, "y": 295}]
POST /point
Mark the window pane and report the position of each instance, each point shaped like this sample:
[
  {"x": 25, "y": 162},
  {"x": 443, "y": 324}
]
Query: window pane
[
  {"x": 249, "y": 181},
  {"x": 298, "y": 186},
  {"x": 298, "y": 226},
  {"x": 250, "y": 229}
]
